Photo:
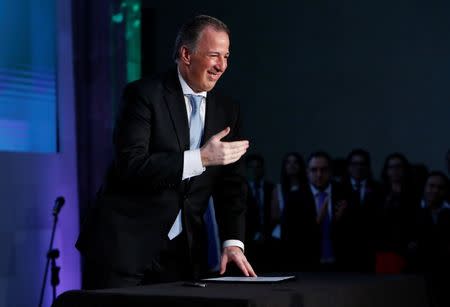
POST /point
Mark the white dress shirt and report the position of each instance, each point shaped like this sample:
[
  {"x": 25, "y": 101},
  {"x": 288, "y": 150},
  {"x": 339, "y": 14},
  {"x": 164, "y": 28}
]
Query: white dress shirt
[
  {"x": 362, "y": 188},
  {"x": 192, "y": 165}
]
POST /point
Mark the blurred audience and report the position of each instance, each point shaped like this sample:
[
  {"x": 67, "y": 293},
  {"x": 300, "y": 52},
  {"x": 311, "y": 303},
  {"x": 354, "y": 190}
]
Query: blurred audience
[{"x": 315, "y": 220}]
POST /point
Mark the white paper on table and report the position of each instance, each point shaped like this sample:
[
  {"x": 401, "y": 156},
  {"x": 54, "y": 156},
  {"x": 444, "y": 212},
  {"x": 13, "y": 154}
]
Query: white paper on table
[{"x": 250, "y": 279}]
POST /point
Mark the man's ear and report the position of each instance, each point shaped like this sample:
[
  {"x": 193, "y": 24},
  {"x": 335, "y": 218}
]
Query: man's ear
[{"x": 185, "y": 55}]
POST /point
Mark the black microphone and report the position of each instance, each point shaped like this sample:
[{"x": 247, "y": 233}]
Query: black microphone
[{"x": 59, "y": 202}]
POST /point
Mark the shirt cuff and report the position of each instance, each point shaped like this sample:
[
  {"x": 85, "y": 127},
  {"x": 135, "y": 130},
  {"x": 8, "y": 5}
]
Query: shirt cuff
[
  {"x": 228, "y": 243},
  {"x": 192, "y": 165}
]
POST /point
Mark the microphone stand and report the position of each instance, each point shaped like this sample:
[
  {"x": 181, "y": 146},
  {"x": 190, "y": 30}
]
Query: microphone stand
[{"x": 52, "y": 255}]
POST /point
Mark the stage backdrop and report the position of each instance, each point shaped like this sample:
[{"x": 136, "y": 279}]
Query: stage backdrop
[{"x": 37, "y": 147}]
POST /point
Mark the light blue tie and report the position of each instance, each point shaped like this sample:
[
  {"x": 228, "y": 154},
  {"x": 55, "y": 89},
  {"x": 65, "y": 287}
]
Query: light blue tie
[
  {"x": 195, "y": 125},
  {"x": 327, "y": 246},
  {"x": 195, "y": 135}
]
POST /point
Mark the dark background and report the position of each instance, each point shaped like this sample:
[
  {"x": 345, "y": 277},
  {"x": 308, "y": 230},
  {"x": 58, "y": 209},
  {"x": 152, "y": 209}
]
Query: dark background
[{"x": 329, "y": 75}]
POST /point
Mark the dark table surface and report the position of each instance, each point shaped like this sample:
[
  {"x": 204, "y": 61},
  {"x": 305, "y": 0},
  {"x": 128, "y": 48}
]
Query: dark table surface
[{"x": 306, "y": 290}]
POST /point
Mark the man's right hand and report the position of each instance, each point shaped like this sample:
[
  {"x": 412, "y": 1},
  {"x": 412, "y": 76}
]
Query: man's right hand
[{"x": 216, "y": 152}]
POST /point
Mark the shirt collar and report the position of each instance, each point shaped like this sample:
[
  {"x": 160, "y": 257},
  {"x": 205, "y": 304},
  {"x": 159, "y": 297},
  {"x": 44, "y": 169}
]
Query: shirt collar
[
  {"x": 316, "y": 191},
  {"x": 187, "y": 90}
]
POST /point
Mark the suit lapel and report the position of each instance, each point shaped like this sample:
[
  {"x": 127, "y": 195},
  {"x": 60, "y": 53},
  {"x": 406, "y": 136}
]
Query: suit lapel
[
  {"x": 177, "y": 109},
  {"x": 310, "y": 201}
]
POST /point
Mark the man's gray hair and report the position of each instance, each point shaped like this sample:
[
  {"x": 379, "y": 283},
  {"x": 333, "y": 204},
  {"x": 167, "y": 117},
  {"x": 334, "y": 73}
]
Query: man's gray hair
[{"x": 190, "y": 32}]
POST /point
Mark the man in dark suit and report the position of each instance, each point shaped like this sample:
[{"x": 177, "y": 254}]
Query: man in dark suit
[
  {"x": 176, "y": 143},
  {"x": 432, "y": 227},
  {"x": 313, "y": 219},
  {"x": 364, "y": 201},
  {"x": 429, "y": 252},
  {"x": 259, "y": 221}
]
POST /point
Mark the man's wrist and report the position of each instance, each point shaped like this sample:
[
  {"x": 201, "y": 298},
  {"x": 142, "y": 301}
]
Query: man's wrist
[
  {"x": 192, "y": 165},
  {"x": 237, "y": 243},
  {"x": 203, "y": 157}
]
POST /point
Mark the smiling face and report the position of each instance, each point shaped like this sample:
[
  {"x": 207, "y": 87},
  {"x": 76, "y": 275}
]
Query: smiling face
[{"x": 202, "y": 67}]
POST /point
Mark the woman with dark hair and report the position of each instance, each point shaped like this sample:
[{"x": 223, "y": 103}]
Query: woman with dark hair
[
  {"x": 292, "y": 178},
  {"x": 397, "y": 173},
  {"x": 400, "y": 202}
]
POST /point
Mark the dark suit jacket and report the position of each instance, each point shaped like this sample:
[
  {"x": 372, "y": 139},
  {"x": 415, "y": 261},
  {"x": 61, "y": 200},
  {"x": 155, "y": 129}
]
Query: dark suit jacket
[
  {"x": 143, "y": 191},
  {"x": 253, "y": 222},
  {"x": 372, "y": 196},
  {"x": 361, "y": 222},
  {"x": 302, "y": 233},
  {"x": 433, "y": 241}
]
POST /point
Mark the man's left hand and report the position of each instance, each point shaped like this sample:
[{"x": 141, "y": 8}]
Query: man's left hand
[{"x": 235, "y": 254}]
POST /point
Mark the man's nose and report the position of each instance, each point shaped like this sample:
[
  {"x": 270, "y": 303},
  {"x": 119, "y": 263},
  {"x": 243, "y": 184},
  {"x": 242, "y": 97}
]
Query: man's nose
[{"x": 221, "y": 64}]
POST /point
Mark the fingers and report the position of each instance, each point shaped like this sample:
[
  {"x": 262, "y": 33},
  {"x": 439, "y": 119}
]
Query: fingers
[
  {"x": 240, "y": 260},
  {"x": 252, "y": 272},
  {"x": 222, "y": 133},
  {"x": 216, "y": 152},
  {"x": 235, "y": 150},
  {"x": 233, "y": 156},
  {"x": 223, "y": 263},
  {"x": 230, "y": 154},
  {"x": 242, "y": 267},
  {"x": 249, "y": 268},
  {"x": 236, "y": 144}
]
